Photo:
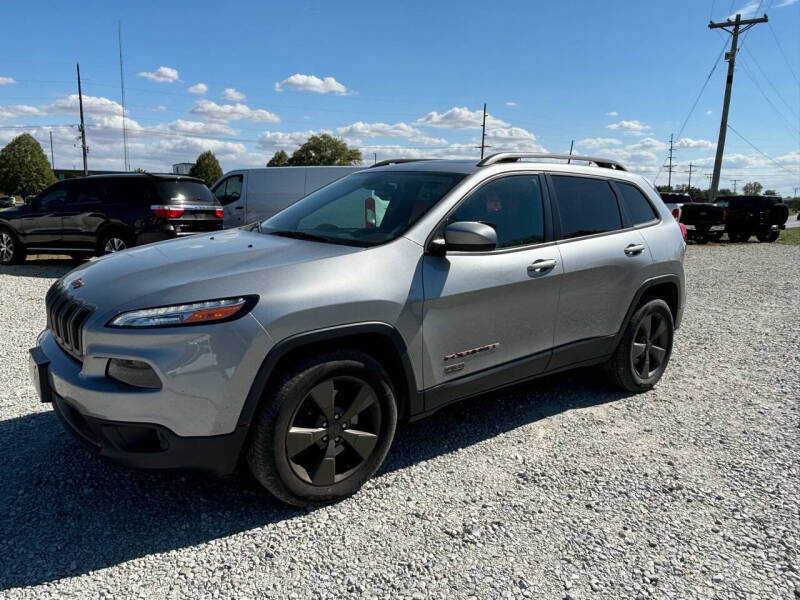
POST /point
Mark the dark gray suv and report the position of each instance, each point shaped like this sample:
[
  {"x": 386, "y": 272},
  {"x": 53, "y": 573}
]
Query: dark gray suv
[{"x": 296, "y": 344}]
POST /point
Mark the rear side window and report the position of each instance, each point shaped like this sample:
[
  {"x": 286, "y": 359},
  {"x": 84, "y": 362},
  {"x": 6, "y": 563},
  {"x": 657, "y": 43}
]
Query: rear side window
[
  {"x": 511, "y": 205},
  {"x": 129, "y": 191},
  {"x": 636, "y": 205},
  {"x": 184, "y": 192},
  {"x": 587, "y": 206},
  {"x": 88, "y": 191}
]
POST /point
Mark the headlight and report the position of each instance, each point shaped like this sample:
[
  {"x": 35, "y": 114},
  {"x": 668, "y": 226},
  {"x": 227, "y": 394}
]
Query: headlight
[{"x": 196, "y": 313}]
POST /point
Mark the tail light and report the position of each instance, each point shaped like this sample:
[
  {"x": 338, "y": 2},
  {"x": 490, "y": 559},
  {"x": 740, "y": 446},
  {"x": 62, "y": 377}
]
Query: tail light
[
  {"x": 724, "y": 214},
  {"x": 676, "y": 212},
  {"x": 683, "y": 231},
  {"x": 218, "y": 213},
  {"x": 167, "y": 212}
]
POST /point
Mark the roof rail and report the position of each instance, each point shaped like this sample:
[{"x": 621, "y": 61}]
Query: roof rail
[
  {"x": 500, "y": 157},
  {"x": 397, "y": 161}
]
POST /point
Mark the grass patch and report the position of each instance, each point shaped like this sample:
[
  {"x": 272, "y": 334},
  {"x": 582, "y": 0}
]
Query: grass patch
[{"x": 790, "y": 236}]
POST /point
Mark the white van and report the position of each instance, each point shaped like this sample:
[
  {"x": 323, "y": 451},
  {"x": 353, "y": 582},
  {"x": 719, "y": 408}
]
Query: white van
[{"x": 250, "y": 195}]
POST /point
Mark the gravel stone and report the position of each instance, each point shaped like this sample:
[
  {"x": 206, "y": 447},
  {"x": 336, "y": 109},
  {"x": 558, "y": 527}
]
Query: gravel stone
[{"x": 560, "y": 488}]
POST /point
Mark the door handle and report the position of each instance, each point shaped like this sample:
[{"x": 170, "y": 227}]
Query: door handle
[
  {"x": 634, "y": 249},
  {"x": 541, "y": 265},
  {"x": 238, "y": 208}
]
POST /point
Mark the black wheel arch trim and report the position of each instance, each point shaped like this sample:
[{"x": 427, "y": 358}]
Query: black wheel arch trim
[{"x": 640, "y": 293}]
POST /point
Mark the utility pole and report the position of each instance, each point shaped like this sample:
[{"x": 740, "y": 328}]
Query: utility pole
[
  {"x": 375, "y": 158},
  {"x": 670, "y": 170},
  {"x": 83, "y": 125},
  {"x": 735, "y": 181},
  {"x": 52, "y": 156},
  {"x": 122, "y": 87},
  {"x": 571, "y": 145},
  {"x": 739, "y": 26},
  {"x": 691, "y": 168},
  {"x": 483, "y": 131}
]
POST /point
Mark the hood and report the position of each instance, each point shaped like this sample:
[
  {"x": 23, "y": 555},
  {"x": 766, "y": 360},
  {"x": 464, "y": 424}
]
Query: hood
[{"x": 201, "y": 267}]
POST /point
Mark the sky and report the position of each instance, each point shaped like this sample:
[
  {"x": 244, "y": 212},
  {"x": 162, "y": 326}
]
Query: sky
[{"x": 409, "y": 80}]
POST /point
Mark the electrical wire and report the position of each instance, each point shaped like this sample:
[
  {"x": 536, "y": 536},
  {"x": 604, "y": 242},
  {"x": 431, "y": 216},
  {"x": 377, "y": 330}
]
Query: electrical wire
[
  {"x": 788, "y": 64},
  {"x": 769, "y": 81},
  {"x": 765, "y": 155}
]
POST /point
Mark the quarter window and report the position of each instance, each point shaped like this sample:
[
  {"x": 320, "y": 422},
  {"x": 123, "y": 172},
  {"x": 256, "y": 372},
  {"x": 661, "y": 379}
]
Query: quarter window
[
  {"x": 636, "y": 205},
  {"x": 587, "y": 206},
  {"x": 512, "y": 206}
]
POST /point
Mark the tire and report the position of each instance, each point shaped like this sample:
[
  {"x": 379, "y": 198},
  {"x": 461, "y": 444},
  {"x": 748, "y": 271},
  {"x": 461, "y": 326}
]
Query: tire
[
  {"x": 738, "y": 237},
  {"x": 325, "y": 459},
  {"x": 629, "y": 370},
  {"x": 768, "y": 236},
  {"x": 113, "y": 241},
  {"x": 12, "y": 252}
]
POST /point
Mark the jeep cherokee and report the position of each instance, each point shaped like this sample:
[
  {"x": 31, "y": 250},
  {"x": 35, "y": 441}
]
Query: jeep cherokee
[{"x": 297, "y": 343}]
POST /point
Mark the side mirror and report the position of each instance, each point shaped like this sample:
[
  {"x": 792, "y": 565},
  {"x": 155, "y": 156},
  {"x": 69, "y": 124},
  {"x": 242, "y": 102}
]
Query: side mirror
[
  {"x": 29, "y": 200},
  {"x": 469, "y": 236}
]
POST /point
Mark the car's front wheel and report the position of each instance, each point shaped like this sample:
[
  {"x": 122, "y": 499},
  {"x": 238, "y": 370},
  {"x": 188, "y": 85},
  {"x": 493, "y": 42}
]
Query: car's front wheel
[
  {"x": 324, "y": 428},
  {"x": 643, "y": 353},
  {"x": 768, "y": 236},
  {"x": 11, "y": 250}
]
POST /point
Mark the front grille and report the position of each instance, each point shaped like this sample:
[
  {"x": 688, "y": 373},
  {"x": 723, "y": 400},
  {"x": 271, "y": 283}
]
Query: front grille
[{"x": 65, "y": 318}]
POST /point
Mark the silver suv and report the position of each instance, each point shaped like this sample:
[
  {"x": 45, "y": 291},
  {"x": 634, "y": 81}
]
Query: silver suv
[{"x": 297, "y": 343}]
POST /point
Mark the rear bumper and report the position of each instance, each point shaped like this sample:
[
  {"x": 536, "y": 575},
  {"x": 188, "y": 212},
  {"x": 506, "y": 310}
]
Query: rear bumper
[
  {"x": 148, "y": 445},
  {"x": 172, "y": 230}
]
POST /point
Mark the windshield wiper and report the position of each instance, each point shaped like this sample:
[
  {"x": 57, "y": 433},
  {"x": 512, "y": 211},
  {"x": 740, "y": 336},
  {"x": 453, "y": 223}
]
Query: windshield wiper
[{"x": 300, "y": 235}]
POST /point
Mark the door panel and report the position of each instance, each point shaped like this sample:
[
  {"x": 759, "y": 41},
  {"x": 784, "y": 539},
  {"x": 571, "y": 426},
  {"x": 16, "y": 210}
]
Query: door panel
[
  {"x": 84, "y": 213},
  {"x": 600, "y": 280},
  {"x": 474, "y": 302},
  {"x": 42, "y": 228},
  {"x": 230, "y": 193}
]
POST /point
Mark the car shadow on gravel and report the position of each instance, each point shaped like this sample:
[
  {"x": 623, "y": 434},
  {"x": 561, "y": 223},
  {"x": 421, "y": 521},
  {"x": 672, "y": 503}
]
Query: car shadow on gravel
[
  {"x": 64, "y": 512},
  {"x": 42, "y": 266}
]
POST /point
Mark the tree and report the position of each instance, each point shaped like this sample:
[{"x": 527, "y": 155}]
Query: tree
[
  {"x": 24, "y": 168},
  {"x": 279, "y": 159},
  {"x": 324, "y": 150},
  {"x": 724, "y": 192},
  {"x": 206, "y": 167},
  {"x": 664, "y": 188},
  {"x": 752, "y": 188},
  {"x": 770, "y": 193}
]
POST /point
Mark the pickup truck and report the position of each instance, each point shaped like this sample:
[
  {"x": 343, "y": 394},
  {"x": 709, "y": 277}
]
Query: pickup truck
[{"x": 704, "y": 221}]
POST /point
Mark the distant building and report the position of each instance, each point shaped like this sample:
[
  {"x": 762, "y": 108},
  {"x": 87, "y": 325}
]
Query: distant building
[{"x": 182, "y": 168}]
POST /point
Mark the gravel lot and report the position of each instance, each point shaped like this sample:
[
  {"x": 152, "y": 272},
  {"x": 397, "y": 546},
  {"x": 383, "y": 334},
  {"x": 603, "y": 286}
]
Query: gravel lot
[{"x": 563, "y": 488}]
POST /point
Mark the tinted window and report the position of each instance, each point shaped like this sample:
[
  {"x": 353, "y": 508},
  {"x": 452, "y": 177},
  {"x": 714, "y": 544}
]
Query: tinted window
[
  {"x": 511, "y": 205},
  {"x": 586, "y": 205},
  {"x": 188, "y": 192},
  {"x": 365, "y": 208},
  {"x": 87, "y": 192},
  {"x": 229, "y": 190},
  {"x": 636, "y": 205},
  {"x": 53, "y": 198},
  {"x": 130, "y": 191}
]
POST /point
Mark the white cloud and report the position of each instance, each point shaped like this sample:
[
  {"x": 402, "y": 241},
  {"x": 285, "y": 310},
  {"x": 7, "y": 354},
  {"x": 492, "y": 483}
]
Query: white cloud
[
  {"x": 96, "y": 105},
  {"x": 648, "y": 144},
  {"x": 598, "y": 142},
  {"x": 312, "y": 83},
  {"x": 18, "y": 110},
  {"x": 233, "y": 95},
  {"x": 198, "y": 88},
  {"x": 197, "y": 128},
  {"x": 612, "y": 113},
  {"x": 161, "y": 75},
  {"x": 232, "y": 112},
  {"x": 691, "y": 143},
  {"x": 279, "y": 140},
  {"x": 425, "y": 140},
  {"x": 459, "y": 117},
  {"x": 511, "y": 103},
  {"x": 629, "y": 127},
  {"x": 748, "y": 10},
  {"x": 7, "y": 80},
  {"x": 785, "y": 3},
  {"x": 159, "y": 108},
  {"x": 369, "y": 130},
  {"x": 517, "y": 139}
]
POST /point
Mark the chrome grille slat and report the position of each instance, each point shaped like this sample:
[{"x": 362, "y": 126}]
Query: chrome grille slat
[{"x": 66, "y": 316}]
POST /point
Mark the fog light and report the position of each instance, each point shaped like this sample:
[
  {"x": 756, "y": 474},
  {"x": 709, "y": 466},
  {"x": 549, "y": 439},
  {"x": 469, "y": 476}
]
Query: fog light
[{"x": 133, "y": 372}]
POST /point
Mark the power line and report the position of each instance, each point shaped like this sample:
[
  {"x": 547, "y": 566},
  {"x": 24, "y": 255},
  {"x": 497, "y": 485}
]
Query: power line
[
  {"x": 749, "y": 73},
  {"x": 769, "y": 81},
  {"x": 765, "y": 155},
  {"x": 788, "y": 64}
]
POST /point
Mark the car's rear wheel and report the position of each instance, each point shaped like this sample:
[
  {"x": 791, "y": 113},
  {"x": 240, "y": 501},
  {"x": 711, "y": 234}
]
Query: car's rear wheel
[
  {"x": 324, "y": 429},
  {"x": 11, "y": 250},
  {"x": 644, "y": 351},
  {"x": 768, "y": 236},
  {"x": 113, "y": 241}
]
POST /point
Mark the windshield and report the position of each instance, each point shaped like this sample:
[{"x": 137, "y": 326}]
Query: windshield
[{"x": 363, "y": 209}]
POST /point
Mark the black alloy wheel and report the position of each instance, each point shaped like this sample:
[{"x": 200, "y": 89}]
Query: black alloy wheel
[
  {"x": 649, "y": 347},
  {"x": 334, "y": 430}
]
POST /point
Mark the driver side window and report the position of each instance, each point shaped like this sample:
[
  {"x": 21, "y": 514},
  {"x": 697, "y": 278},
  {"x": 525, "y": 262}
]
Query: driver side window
[
  {"x": 511, "y": 205},
  {"x": 229, "y": 190},
  {"x": 53, "y": 199}
]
